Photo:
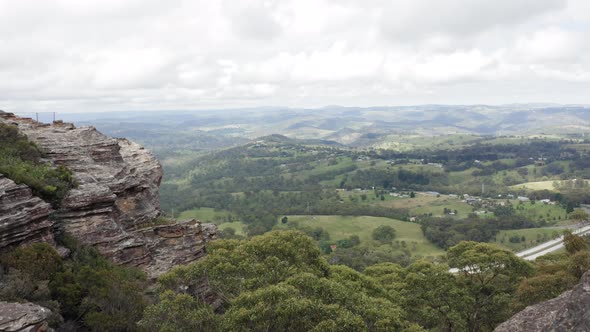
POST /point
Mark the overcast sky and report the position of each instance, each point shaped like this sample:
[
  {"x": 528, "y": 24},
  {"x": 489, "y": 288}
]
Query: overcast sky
[{"x": 76, "y": 55}]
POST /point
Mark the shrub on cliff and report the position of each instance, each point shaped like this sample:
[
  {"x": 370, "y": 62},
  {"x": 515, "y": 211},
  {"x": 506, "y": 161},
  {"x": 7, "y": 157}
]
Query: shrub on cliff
[
  {"x": 89, "y": 291},
  {"x": 39, "y": 260},
  {"x": 25, "y": 273},
  {"x": 15, "y": 144},
  {"x": 103, "y": 296},
  {"x": 20, "y": 162}
]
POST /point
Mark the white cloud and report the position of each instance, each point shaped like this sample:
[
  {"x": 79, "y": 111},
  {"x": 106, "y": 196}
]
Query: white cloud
[
  {"x": 252, "y": 19},
  {"x": 424, "y": 18},
  {"x": 451, "y": 67},
  {"x": 552, "y": 45},
  {"x": 131, "y": 54},
  {"x": 129, "y": 68}
]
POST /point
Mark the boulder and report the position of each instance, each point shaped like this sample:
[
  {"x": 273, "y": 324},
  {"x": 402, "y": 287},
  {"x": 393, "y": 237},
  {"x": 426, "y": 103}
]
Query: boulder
[{"x": 568, "y": 312}]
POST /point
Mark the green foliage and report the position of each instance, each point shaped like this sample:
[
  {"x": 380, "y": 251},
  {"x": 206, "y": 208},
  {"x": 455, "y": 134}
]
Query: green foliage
[
  {"x": 317, "y": 233},
  {"x": 355, "y": 240},
  {"x": 570, "y": 266},
  {"x": 543, "y": 287},
  {"x": 434, "y": 297},
  {"x": 227, "y": 233},
  {"x": 579, "y": 215},
  {"x": 573, "y": 243},
  {"x": 25, "y": 273},
  {"x": 579, "y": 263},
  {"x": 360, "y": 258},
  {"x": 39, "y": 261},
  {"x": 104, "y": 296},
  {"x": 16, "y": 286},
  {"x": 384, "y": 234},
  {"x": 274, "y": 282},
  {"x": 476, "y": 299},
  {"x": 20, "y": 162},
  {"x": 14, "y": 144},
  {"x": 447, "y": 232},
  {"x": 232, "y": 266},
  {"x": 158, "y": 221},
  {"x": 556, "y": 273},
  {"x": 343, "y": 229},
  {"x": 178, "y": 312},
  {"x": 431, "y": 295},
  {"x": 490, "y": 275},
  {"x": 283, "y": 308}
]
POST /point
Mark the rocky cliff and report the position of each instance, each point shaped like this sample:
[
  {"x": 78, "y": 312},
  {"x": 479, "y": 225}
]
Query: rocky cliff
[
  {"x": 23, "y": 217},
  {"x": 568, "y": 312},
  {"x": 23, "y": 317},
  {"x": 116, "y": 196}
]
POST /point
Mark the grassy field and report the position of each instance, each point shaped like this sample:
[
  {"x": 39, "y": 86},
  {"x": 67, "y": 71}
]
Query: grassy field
[
  {"x": 550, "y": 213},
  {"x": 533, "y": 237},
  {"x": 371, "y": 198},
  {"x": 539, "y": 185},
  {"x": 341, "y": 227},
  {"x": 204, "y": 214},
  {"x": 426, "y": 204},
  {"x": 413, "y": 142}
]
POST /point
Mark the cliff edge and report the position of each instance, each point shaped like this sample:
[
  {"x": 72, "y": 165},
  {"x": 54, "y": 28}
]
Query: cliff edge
[{"x": 116, "y": 198}]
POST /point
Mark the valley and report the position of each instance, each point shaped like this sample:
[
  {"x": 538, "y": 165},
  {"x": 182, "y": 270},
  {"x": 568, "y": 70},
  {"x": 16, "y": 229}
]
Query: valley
[
  {"x": 385, "y": 219},
  {"x": 295, "y": 166},
  {"x": 422, "y": 166}
]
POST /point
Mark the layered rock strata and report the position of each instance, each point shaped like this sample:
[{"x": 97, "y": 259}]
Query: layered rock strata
[
  {"x": 24, "y": 218},
  {"x": 117, "y": 194}
]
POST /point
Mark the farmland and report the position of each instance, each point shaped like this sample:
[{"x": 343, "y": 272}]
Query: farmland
[
  {"x": 205, "y": 215},
  {"x": 341, "y": 227},
  {"x": 462, "y": 188}
]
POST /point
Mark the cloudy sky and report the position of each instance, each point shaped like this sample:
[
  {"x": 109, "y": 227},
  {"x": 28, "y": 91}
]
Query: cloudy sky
[{"x": 77, "y": 55}]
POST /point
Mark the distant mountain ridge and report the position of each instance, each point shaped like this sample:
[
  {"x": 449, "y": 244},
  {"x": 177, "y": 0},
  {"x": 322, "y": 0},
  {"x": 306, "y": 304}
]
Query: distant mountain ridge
[{"x": 213, "y": 129}]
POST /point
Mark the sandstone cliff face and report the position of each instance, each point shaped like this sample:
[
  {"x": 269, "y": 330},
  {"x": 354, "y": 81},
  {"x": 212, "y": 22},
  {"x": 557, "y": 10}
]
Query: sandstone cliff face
[
  {"x": 118, "y": 183},
  {"x": 568, "y": 312},
  {"x": 23, "y": 317},
  {"x": 24, "y": 218}
]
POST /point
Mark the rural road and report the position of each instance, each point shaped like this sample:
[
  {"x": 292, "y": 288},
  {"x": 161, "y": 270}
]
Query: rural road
[
  {"x": 550, "y": 246},
  {"x": 544, "y": 248}
]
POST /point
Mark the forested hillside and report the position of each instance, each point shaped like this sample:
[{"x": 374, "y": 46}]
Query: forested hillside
[{"x": 318, "y": 235}]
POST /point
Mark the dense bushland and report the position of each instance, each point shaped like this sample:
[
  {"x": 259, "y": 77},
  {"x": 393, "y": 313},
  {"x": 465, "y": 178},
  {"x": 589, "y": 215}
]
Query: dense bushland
[
  {"x": 83, "y": 291},
  {"x": 280, "y": 281}
]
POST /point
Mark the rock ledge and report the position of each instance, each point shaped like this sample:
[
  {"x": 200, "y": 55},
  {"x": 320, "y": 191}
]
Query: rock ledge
[
  {"x": 23, "y": 317},
  {"x": 117, "y": 193}
]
